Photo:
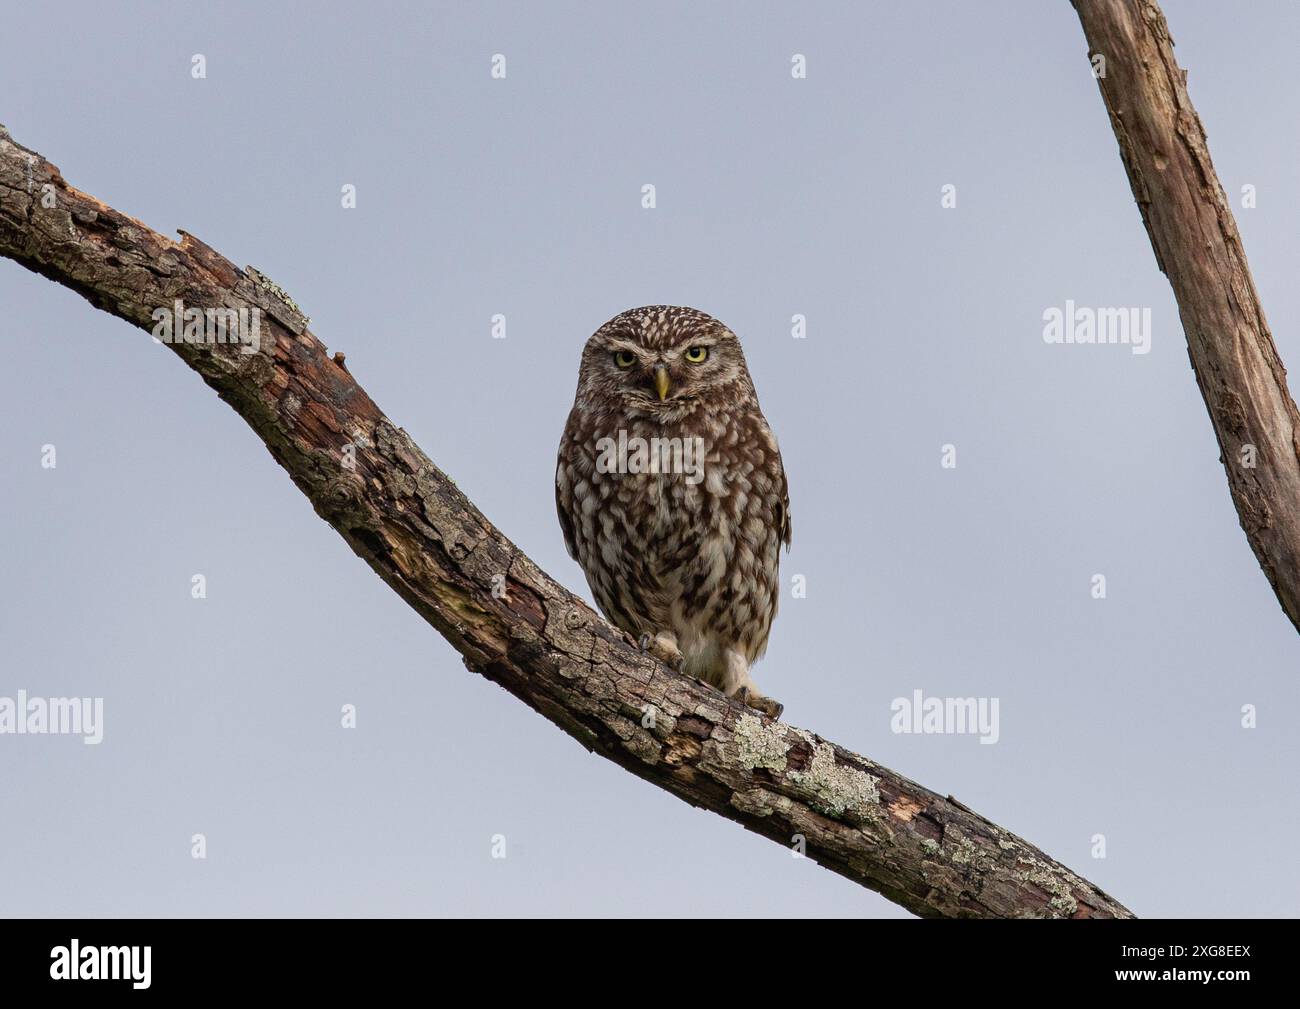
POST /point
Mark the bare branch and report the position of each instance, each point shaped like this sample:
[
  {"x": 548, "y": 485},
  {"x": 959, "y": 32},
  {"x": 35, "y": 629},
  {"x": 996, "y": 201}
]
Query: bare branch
[
  {"x": 1196, "y": 243},
  {"x": 410, "y": 523}
]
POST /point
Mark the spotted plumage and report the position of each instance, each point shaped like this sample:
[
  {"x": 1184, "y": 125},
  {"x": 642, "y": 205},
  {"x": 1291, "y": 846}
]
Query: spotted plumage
[{"x": 671, "y": 493}]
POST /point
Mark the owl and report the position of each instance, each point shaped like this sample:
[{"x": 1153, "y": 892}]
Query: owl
[{"x": 672, "y": 496}]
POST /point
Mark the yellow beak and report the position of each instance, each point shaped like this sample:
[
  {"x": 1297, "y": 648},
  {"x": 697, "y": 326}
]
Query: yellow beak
[{"x": 661, "y": 382}]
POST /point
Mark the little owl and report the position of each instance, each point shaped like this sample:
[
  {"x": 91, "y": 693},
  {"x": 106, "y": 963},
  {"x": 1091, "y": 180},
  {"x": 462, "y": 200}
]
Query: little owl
[{"x": 672, "y": 496}]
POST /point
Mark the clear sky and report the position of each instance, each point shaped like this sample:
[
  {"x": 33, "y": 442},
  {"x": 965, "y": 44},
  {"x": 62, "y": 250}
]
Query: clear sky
[{"x": 522, "y": 196}]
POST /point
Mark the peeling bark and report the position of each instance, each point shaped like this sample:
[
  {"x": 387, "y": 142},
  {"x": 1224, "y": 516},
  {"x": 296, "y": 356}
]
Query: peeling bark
[
  {"x": 422, "y": 536},
  {"x": 1197, "y": 246}
]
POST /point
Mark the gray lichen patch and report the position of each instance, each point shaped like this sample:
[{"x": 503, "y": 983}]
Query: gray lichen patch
[
  {"x": 1054, "y": 880},
  {"x": 836, "y": 788},
  {"x": 962, "y": 850},
  {"x": 260, "y": 279},
  {"x": 760, "y": 744}
]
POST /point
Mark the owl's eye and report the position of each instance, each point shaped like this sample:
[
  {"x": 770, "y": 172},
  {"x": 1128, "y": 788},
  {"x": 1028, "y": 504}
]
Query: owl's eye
[
  {"x": 624, "y": 358},
  {"x": 697, "y": 355}
]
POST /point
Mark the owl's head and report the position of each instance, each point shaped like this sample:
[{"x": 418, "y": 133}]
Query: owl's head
[{"x": 662, "y": 360}]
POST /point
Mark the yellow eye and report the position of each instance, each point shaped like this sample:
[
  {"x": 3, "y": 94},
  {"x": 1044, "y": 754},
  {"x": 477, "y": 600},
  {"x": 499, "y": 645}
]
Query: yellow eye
[
  {"x": 624, "y": 358},
  {"x": 697, "y": 355}
]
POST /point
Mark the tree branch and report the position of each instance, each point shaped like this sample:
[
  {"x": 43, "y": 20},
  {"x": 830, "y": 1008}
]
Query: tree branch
[
  {"x": 423, "y": 537},
  {"x": 1196, "y": 243}
]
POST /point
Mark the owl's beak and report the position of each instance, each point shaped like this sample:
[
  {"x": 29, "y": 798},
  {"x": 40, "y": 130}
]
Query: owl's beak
[{"x": 662, "y": 384}]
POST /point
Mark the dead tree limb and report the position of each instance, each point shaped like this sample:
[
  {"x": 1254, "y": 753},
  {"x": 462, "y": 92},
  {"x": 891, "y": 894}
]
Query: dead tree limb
[
  {"x": 1196, "y": 243},
  {"x": 422, "y": 536}
]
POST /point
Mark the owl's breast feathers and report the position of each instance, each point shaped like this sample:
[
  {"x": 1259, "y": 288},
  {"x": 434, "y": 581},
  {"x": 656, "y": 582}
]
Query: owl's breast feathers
[{"x": 690, "y": 544}]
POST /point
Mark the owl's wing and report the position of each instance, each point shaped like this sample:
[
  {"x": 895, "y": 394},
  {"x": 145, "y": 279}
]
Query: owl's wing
[
  {"x": 561, "y": 508},
  {"x": 782, "y": 505}
]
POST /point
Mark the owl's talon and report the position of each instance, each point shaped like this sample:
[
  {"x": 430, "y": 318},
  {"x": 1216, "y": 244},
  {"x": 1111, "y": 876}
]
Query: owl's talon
[
  {"x": 663, "y": 648},
  {"x": 767, "y": 705}
]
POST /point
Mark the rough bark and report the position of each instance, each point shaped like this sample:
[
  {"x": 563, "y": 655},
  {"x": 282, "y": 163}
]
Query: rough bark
[
  {"x": 1194, "y": 235},
  {"x": 422, "y": 536}
]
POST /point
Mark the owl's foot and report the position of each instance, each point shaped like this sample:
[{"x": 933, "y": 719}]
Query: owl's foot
[
  {"x": 663, "y": 646},
  {"x": 737, "y": 683},
  {"x": 752, "y": 699}
]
